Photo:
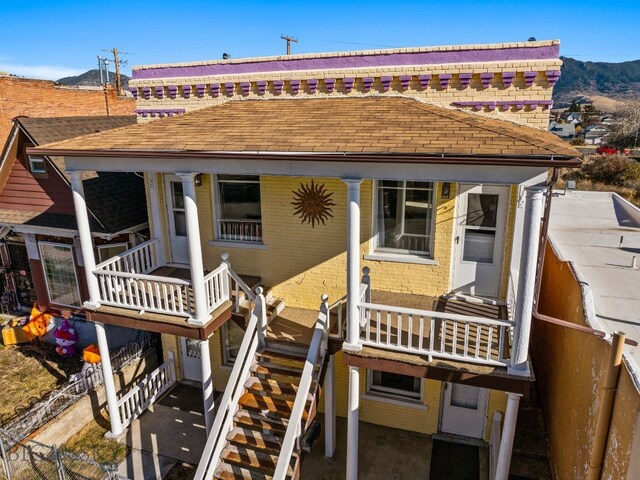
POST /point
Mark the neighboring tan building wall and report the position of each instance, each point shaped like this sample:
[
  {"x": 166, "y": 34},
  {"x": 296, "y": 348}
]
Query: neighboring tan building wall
[
  {"x": 43, "y": 98},
  {"x": 570, "y": 368},
  {"x": 471, "y": 77}
]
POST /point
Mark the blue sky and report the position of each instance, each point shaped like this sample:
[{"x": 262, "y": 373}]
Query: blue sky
[{"x": 51, "y": 39}]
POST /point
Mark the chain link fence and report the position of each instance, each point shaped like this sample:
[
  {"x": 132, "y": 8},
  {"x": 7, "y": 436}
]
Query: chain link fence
[
  {"x": 74, "y": 389},
  {"x": 31, "y": 460}
]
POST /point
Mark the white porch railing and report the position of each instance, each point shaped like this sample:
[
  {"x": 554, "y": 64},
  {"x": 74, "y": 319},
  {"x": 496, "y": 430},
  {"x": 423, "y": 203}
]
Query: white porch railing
[
  {"x": 137, "y": 400},
  {"x": 143, "y": 258},
  {"x": 216, "y": 285},
  {"x": 435, "y": 334},
  {"x": 223, "y": 423},
  {"x": 145, "y": 293},
  {"x": 494, "y": 443},
  {"x": 307, "y": 388}
]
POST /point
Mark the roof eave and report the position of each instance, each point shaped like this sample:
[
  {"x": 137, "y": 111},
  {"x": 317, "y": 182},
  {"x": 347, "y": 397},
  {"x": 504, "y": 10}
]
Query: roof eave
[{"x": 561, "y": 161}]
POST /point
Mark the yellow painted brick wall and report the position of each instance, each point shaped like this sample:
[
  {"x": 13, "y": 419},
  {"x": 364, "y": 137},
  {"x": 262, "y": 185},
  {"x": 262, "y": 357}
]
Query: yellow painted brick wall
[{"x": 301, "y": 262}]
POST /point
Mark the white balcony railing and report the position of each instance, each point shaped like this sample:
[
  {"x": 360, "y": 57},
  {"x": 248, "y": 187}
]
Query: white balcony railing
[
  {"x": 127, "y": 281},
  {"x": 240, "y": 230},
  {"x": 435, "y": 334},
  {"x": 143, "y": 258}
]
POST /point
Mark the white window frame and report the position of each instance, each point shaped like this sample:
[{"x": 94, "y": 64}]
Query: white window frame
[
  {"x": 384, "y": 252},
  {"x": 75, "y": 272},
  {"x": 215, "y": 196},
  {"x": 110, "y": 245},
  {"x": 35, "y": 160},
  {"x": 394, "y": 393}
]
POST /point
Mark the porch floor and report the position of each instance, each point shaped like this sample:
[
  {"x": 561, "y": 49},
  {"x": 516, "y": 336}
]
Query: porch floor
[{"x": 383, "y": 452}]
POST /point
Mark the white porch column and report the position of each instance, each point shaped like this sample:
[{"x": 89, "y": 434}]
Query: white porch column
[
  {"x": 195, "y": 248},
  {"x": 86, "y": 243},
  {"x": 330, "y": 408},
  {"x": 109, "y": 384},
  {"x": 508, "y": 433},
  {"x": 156, "y": 214},
  {"x": 207, "y": 385},
  {"x": 352, "y": 423},
  {"x": 352, "y": 341},
  {"x": 527, "y": 279}
]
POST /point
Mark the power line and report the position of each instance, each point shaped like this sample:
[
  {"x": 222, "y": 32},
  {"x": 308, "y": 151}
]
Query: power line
[
  {"x": 349, "y": 43},
  {"x": 289, "y": 39},
  {"x": 117, "y": 62}
]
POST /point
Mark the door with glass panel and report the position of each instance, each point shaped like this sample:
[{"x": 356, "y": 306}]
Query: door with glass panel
[
  {"x": 481, "y": 217},
  {"x": 191, "y": 359},
  {"x": 464, "y": 410},
  {"x": 176, "y": 219}
]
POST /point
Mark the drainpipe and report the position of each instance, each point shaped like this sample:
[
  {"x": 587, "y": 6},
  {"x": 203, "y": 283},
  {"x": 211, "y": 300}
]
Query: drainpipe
[{"x": 607, "y": 400}]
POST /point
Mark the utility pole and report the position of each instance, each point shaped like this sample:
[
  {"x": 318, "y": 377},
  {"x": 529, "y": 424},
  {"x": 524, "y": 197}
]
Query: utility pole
[
  {"x": 289, "y": 40},
  {"x": 117, "y": 63}
]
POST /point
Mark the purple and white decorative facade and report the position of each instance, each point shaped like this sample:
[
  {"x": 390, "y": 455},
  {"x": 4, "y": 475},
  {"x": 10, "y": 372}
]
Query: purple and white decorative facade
[{"x": 510, "y": 80}]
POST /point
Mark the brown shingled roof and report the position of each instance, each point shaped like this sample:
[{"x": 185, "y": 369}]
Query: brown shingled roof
[{"x": 361, "y": 125}]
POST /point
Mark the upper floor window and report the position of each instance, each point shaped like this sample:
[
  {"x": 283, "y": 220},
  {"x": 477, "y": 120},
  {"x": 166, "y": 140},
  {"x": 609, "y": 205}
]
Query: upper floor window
[
  {"x": 60, "y": 273},
  {"x": 105, "y": 252},
  {"x": 239, "y": 214},
  {"x": 37, "y": 164},
  {"x": 405, "y": 217}
]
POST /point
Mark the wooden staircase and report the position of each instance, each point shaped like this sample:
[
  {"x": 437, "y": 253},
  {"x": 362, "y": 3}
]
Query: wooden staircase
[{"x": 253, "y": 445}]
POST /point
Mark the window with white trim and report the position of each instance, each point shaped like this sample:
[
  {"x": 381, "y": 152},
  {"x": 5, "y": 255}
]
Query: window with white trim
[
  {"x": 105, "y": 252},
  {"x": 405, "y": 217},
  {"x": 394, "y": 385},
  {"x": 60, "y": 273},
  {"x": 232, "y": 336},
  {"x": 37, "y": 164},
  {"x": 239, "y": 213}
]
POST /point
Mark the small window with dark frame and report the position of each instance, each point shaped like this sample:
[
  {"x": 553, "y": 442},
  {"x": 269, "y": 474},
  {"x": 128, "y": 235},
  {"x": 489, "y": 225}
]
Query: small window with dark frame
[
  {"x": 239, "y": 214},
  {"x": 232, "y": 336},
  {"x": 37, "y": 164},
  {"x": 395, "y": 385}
]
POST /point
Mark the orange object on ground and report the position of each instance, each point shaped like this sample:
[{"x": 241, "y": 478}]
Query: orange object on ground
[
  {"x": 38, "y": 324},
  {"x": 91, "y": 354},
  {"x": 14, "y": 333}
]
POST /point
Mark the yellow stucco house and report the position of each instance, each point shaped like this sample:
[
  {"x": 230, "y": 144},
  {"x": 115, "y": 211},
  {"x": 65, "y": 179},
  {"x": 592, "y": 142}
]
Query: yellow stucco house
[{"x": 354, "y": 233}]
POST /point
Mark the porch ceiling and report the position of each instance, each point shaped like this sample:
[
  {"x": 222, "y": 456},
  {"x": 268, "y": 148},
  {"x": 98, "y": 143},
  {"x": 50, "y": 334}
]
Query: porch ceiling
[{"x": 372, "y": 129}]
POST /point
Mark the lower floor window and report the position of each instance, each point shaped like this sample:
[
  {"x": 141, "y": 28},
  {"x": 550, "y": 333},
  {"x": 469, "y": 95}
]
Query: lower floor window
[
  {"x": 232, "y": 336},
  {"x": 395, "y": 385},
  {"x": 60, "y": 273}
]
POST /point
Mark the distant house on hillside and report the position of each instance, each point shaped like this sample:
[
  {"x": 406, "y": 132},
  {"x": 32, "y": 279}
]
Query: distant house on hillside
[
  {"x": 565, "y": 131},
  {"x": 596, "y": 135}
]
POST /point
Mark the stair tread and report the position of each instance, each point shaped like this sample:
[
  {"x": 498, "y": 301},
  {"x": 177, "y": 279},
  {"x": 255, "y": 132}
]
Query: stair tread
[
  {"x": 257, "y": 439},
  {"x": 269, "y": 386},
  {"x": 268, "y": 367},
  {"x": 226, "y": 471},
  {"x": 249, "y": 418},
  {"x": 275, "y": 406},
  {"x": 250, "y": 458},
  {"x": 273, "y": 355}
]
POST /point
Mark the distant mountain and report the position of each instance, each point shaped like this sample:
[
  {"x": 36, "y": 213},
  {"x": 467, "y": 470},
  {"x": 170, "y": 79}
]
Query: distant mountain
[
  {"x": 612, "y": 80},
  {"x": 92, "y": 78}
]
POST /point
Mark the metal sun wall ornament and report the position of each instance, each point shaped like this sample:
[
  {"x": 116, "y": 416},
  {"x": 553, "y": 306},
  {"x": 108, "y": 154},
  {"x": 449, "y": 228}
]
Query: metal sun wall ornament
[{"x": 312, "y": 203}]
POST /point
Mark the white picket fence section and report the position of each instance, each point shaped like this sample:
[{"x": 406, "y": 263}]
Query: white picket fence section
[
  {"x": 132, "y": 404},
  {"x": 494, "y": 443},
  {"x": 216, "y": 285},
  {"x": 435, "y": 334}
]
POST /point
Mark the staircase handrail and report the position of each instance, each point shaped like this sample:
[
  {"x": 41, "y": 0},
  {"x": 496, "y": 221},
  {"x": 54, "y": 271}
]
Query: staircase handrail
[
  {"x": 227, "y": 405},
  {"x": 241, "y": 283},
  {"x": 315, "y": 355}
]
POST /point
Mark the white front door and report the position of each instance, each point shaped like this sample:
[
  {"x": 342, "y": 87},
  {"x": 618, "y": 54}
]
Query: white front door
[
  {"x": 176, "y": 219},
  {"x": 191, "y": 365},
  {"x": 481, "y": 218},
  {"x": 464, "y": 410}
]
